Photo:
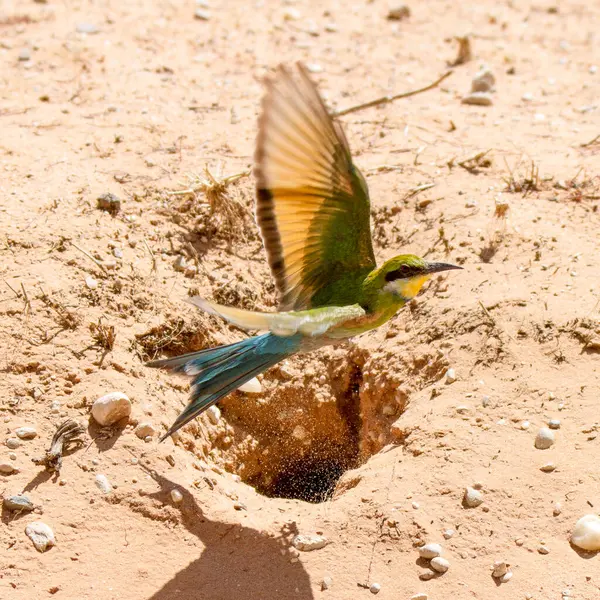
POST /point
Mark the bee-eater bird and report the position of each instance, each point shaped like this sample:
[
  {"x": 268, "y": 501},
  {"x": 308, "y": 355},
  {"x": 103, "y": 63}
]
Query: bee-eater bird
[{"x": 313, "y": 211}]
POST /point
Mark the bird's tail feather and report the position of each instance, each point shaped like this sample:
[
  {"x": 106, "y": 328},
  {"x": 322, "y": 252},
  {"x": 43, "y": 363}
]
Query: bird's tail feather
[{"x": 218, "y": 371}]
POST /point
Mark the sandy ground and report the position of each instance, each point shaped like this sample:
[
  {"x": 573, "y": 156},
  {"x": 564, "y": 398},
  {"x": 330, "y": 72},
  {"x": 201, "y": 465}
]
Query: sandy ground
[{"x": 154, "y": 95}]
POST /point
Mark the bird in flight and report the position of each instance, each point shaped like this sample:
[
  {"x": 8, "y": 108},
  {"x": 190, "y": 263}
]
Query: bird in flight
[{"x": 313, "y": 211}]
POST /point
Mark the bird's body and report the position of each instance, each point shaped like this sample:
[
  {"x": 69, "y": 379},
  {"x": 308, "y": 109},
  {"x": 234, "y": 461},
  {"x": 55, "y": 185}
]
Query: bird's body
[{"x": 313, "y": 210}]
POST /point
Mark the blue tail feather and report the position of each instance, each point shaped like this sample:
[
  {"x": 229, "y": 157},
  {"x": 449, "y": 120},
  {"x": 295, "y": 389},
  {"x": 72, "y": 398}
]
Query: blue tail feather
[{"x": 218, "y": 371}]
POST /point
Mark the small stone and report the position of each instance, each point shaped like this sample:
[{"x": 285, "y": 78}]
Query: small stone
[
  {"x": 13, "y": 443},
  {"x": 448, "y": 533},
  {"x": 191, "y": 271},
  {"x": 202, "y": 14},
  {"x": 41, "y": 535},
  {"x": 472, "y": 497},
  {"x": 500, "y": 568},
  {"x": 307, "y": 543},
  {"x": 326, "y": 583},
  {"x": 88, "y": 28},
  {"x": 543, "y": 550},
  {"x": 12, "y": 456},
  {"x": 111, "y": 408},
  {"x": 525, "y": 425},
  {"x": 506, "y": 577},
  {"x": 439, "y": 564},
  {"x": 26, "y": 433},
  {"x": 214, "y": 414},
  {"x": 429, "y": 551},
  {"x": 398, "y": 12},
  {"x": 103, "y": 484},
  {"x": 7, "y": 468},
  {"x": 251, "y": 387},
  {"x": 483, "y": 81},
  {"x": 144, "y": 430},
  {"x": 419, "y": 597},
  {"x": 25, "y": 54},
  {"x": 239, "y": 506},
  {"x": 375, "y": 588},
  {"x": 109, "y": 202},
  {"x": 180, "y": 264},
  {"x": 117, "y": 253},
  {"x": 554, "y": 423},
  {"x": 450, "y": 376},
  {"x": 548, "y": 467},
  {"x": 291, "y": 14},
  {"x": 426, "y": 575},
  {"x": 586, "y": 533},
  {"x": 176, "y": 496},
  {"x": 544, "y": 439},
  {"x": 91, "y": 283},
  {"x": 18, "y": 503},
  {"x": 557, "y": 509},
  {"x": 415, "y": 505},
  {"x": 314, "y": 68},
  {"x": 478, "y": 99}
]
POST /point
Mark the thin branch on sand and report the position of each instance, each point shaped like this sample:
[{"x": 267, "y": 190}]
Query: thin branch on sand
[{"x": 388, "y": 99}]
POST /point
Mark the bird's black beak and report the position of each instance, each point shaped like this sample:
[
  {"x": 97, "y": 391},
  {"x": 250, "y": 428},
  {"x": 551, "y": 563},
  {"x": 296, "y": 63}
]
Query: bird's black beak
[{"x": 436, "y": 267}]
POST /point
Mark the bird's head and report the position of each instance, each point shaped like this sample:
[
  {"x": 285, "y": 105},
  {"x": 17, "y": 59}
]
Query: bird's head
[{"x": 405, "y": 275}]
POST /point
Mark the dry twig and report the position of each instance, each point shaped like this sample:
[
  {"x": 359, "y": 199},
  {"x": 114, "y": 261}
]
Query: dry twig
[
  {"x": 67, "y": 433},
  {"x": 388, "y": 99},
  {"x": 464, "y": 51}
]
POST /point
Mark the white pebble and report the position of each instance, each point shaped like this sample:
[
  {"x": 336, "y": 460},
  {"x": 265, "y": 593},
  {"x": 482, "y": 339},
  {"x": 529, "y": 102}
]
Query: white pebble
[
  {"x": 586, "y": 534},
  {"x": 419, "y": 597},
  {"x": 483, "y": 81},
  {"x": 253, "y": 386},
  {"x": 429, "y": 551},
  {"x": 439, "y": 564},
  {"x": 176, "y": 496},
  {"x": 450, "y": 376},
  {"x": 525, "y": 425},
  {"x": 111, "y": 408},
  {"x": 375, "y": 588},
  {"x": 13, "y": 443},
  {"x": 144, "y": 430},
  {"x": 103, "y": 484},
  {"x": 41, "y": 535},
  {"x": 472, "y": 497},
  {"x": 554, "y": 423},
  {"x": 544, "y": 439},
  {"x": 448, "y": 533},
  {"x": 326, "y": 583},
  {"x": 91, "y": 283},
  {"x": 7, "y": 468},
  {"x": 506, "y": 577},
  {"x": 214, "y": 414},
  {"x": 557, "y": 509},
  {"x": 307, "y": 543},
  {"x": 478, "y": 99},
  {"x": 26, "y": 433}
]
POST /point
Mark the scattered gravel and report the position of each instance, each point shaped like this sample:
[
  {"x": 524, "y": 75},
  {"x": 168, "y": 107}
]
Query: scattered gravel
[
  {"x": 478, "y": 99},
  {"x": 103, "y": 484},
  {"x": 145, "y": 429},
  {"x": 429, "y": 551},
  {"x": 586, "y": 533},
  {"x": 18, "y": 503},
  {"x": 111, "y": 408},
  {"x": 439, "y": 564},
  {"x": 109, "y": 202},
  {"x": 398, "y": 12},
  {"x": 176, "y": 496},
  {"x": 251, "y": 387},
  {"x": 26, "y": 433},
  {"x": 307, "y": 543},
  {"x": 41, "y": 535},
  {"x": 472, "y": 498},
  {"x": 7, "y": 468},
  {"x": 544, "y": 439}
]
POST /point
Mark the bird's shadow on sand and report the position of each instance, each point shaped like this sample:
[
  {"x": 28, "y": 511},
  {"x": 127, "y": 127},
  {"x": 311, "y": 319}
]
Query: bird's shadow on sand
[{"x": 238, "y": 562}]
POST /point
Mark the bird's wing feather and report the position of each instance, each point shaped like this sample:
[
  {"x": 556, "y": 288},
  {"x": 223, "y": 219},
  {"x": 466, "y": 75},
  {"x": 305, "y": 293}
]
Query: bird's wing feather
[
  {"x": 312, "y": 203},
  {"x": 312, "y": 322}
]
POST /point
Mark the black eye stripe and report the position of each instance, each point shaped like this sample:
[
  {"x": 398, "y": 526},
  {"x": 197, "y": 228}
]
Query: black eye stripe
[{"x": 402, "y": 273}]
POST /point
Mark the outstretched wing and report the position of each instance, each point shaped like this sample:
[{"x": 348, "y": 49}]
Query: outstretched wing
[{"x": 312, "y": 202}]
